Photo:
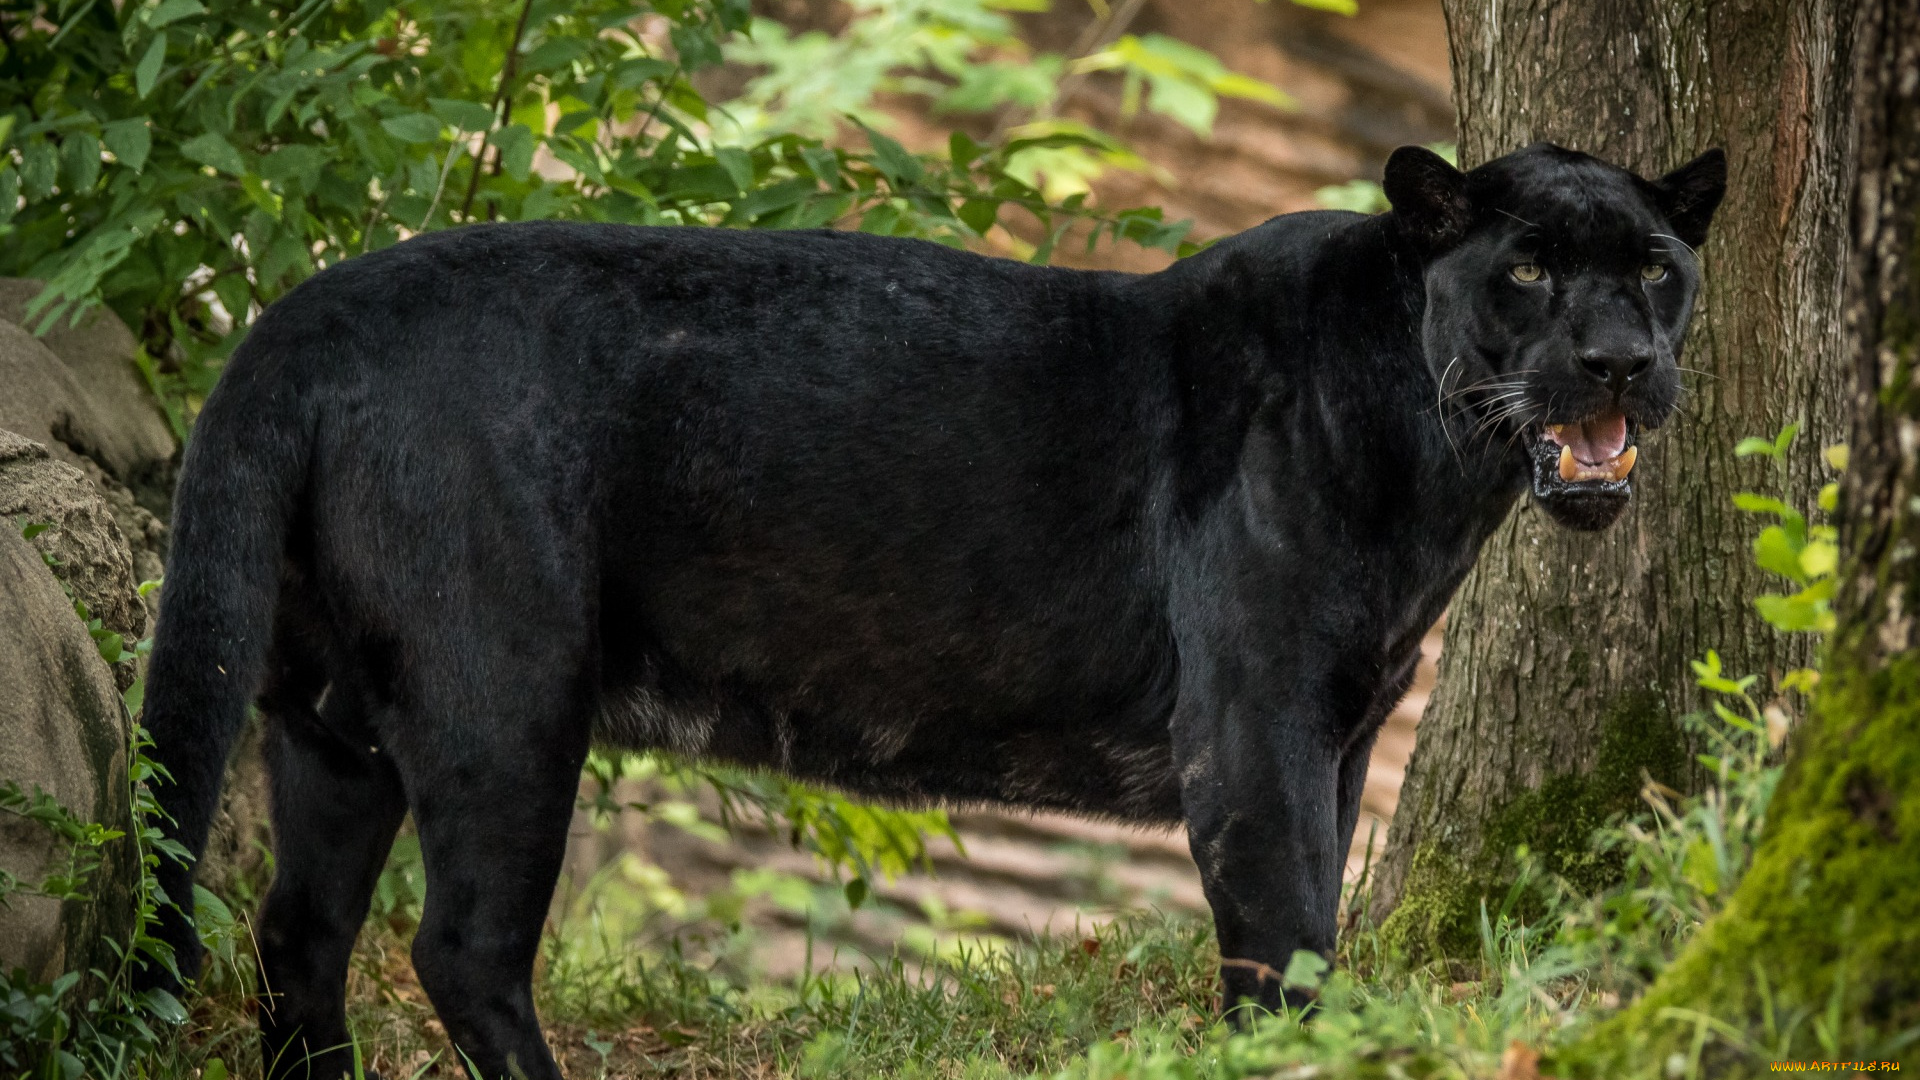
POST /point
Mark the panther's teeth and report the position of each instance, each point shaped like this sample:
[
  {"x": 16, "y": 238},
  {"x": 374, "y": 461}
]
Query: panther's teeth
[{"x": 1615, "y": 469}]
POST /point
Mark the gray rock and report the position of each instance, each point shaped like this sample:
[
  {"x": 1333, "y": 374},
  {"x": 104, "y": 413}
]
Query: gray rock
[
  {"x": 77, "y": 393},
  {"x": 90, "y": 553},
  {"x": 63, "y": 730},
  {"x": 96, "y": 406}
]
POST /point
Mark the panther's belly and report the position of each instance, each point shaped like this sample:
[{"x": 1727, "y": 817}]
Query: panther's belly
[{"x": 1117, "y": 763}]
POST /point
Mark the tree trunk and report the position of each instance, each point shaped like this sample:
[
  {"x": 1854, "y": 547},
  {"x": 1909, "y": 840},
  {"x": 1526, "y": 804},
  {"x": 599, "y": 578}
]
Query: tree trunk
[
  {"x": 1825, "y": 927},
  {"x": 1565, "y": 665}
]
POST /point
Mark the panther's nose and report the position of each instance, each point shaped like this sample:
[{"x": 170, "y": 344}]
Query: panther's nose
[{"x": 1616, "y": 367}]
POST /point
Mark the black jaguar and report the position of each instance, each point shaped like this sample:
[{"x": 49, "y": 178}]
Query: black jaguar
[{"x": 918, "y": 523}]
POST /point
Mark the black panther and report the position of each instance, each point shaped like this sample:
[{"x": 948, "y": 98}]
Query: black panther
[{"x": 921, "y": 524}]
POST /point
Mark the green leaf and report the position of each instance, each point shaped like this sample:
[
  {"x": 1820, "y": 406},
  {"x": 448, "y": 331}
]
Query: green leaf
[
  {"x": 80, "y": 162},
  {"x": 1305, "y": 969},
  {"x": 1761, "y": 504},
  {"x": 900, "y": 167},
  {"x": 210, "y": 149},
  {"x": 823, "y": 163},
  {"x": 1774, "y": 550},
  {"x": 261, "y": 195},
  {"x": 738, "y": 164},
  {"x": 163, "y": 1006},
  {"x": 1751, "y": 445},
  {"x": 856, "y": 891},
  {"x": 148, "y": 70},
  {"x": 172, "y": 11},
  {"x": 516, "y": 143},
  {"x": 1819, "y": 558},
  {"x": 1234, "y": 84},
  {"x": 1829, "y": 497},
  {"x": 554, "y": 53},
  {"x": 1837, "y": 455},
  {"x": 39, "y": 168},
  {"x": 464, "y": 115},
  {"x": 961, "y": 149},
  {"x": 413, "y": 127},
  {"x": 111, "y": 645},
  {"x": 296, "y": 164},
  {"x": 34, "y": 529},
  {"x": 696, "y": 46},
  {"x": 980, "y": 214},
  {"x": 1792, "y": 613},
  {"x": 130, "y": 140}
]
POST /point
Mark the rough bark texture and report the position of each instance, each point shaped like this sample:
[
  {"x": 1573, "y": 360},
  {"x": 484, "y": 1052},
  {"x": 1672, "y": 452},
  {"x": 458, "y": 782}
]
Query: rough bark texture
[
  {"x": 1565, "y": 664},
  {"x": 1824, "y": 930}
]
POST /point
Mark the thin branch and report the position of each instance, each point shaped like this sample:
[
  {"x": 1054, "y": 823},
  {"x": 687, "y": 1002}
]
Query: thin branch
[
  {"x": 500, "y": 100},
  {"x": 658, "y": 102}
]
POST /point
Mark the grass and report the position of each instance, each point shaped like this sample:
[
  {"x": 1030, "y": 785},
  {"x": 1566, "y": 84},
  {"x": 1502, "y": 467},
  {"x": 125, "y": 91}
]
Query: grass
[{"x": 1130, "y": 1000}]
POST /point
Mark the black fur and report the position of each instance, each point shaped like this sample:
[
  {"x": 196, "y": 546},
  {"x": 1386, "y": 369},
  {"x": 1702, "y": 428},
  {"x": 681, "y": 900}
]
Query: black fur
[{"x": 903, "y": 519}]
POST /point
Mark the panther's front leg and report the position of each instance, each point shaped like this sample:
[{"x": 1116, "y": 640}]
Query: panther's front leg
[{"x": 1260, "y": 786}]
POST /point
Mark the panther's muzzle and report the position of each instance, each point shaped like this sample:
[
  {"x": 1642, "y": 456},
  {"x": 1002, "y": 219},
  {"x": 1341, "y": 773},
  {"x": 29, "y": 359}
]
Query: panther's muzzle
[{"x": 1582, "y": 469}]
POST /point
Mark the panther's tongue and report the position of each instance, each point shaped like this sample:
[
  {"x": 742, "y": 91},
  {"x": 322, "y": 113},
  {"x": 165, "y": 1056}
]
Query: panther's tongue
[{"x": 1594, "y": 450}]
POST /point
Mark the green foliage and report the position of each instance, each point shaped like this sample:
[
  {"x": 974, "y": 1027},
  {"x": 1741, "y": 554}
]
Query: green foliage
[
  {"x": 965, "y": 57},
  {"x": 1808, "y": 555},
  {"x": 187, "y": 163},
  {"x": 854, "y": 841},
  {"x": 1181, "y": 82}
]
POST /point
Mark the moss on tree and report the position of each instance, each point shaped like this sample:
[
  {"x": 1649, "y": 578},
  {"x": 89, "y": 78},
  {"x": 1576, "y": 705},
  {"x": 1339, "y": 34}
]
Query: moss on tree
[
  {"x": 1438, "y": 916},
  {"x": 1818, "y": 951}
]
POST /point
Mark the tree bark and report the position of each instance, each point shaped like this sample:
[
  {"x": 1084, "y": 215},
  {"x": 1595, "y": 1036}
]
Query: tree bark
[
  {"x": 1565, "y": 664},
  {"x": 1817, "y": 954}
]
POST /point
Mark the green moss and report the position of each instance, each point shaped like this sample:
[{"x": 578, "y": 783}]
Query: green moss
[
  {"x": 1823, "y": 933},
  {"x": 1438, "y": 916}
]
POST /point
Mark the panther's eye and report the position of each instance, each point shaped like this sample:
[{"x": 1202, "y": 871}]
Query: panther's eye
[
  {"x": 1653, "y": 272},
  {"x": 1527, "y": 273}
]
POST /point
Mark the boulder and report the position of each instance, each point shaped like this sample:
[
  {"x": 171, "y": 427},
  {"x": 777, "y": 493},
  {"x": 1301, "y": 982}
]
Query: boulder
[
  {"x": 93, "y": 404},
  {"x": 85, "y": 449},
  {"x": 83, "y": 539},
  {"x": 77, "y": 393},
  {"x": 63, "y": 731}
]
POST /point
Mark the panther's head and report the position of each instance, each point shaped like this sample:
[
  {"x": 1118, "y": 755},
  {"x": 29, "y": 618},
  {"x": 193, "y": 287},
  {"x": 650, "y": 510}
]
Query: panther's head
[{"x": 1558, "y": 291}]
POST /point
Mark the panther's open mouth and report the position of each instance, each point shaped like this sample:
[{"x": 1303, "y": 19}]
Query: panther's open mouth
[
  {"x": 1581, "y": 468},
  {"x": 1597, "y": 449}
]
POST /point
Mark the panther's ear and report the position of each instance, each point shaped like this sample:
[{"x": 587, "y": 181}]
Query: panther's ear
[
  {"x": 1688, "y": 195},
  {"x": 1429, "y": 197}
]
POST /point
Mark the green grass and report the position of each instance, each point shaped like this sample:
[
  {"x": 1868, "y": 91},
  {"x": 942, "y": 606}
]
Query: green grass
[{"x": 623, "y": 997}]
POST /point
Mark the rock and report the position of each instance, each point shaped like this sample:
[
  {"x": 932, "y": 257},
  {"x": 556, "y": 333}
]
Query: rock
[
  {"x": 94, "y": 406},
  {"x": 63, "y": 730},
  {"x": 77, "y": 393},
  {"x": 87, "y": 450},
  {"x": 90, "y": 554}
]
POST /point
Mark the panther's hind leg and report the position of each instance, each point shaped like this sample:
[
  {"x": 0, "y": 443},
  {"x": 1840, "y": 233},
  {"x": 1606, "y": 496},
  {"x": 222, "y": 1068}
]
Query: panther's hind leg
[
  {"x": 337, "y": 802},
  {"x": 492, "y": 767}
]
